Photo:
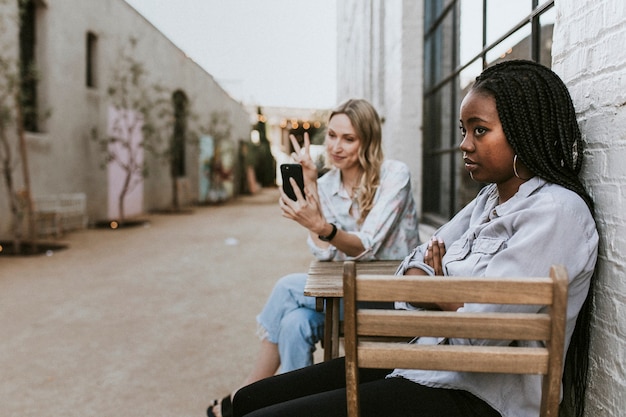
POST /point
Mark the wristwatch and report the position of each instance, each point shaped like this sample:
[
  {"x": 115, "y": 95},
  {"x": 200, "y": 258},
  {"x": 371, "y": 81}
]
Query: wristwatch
[{"x": 330, "y": 236}]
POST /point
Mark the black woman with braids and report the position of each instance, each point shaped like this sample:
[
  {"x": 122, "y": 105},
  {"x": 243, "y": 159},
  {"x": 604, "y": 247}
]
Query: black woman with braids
[{"x": 520, "y": 136}]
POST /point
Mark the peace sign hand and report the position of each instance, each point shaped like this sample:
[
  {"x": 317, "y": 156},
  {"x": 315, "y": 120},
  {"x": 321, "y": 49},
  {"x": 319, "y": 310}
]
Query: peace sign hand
[{"x": 302, "y": 155}]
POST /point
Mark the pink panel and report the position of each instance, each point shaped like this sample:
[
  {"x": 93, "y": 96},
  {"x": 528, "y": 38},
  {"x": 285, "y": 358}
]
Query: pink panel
[{"x": 126, "y": 127}]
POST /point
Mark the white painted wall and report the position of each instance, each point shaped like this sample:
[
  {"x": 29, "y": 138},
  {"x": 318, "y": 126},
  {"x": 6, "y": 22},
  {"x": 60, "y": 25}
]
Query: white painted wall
[{"x": 380, "y": 59}]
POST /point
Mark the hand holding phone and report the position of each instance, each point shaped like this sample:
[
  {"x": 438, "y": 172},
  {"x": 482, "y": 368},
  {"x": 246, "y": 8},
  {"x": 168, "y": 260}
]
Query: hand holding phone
[{"x": 292, "y": 171}]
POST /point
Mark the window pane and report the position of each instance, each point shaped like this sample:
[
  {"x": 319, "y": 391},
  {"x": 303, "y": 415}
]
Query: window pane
[
  {"x": 28, "y": 66},
  {"x": 471, "y": 21},
  {"x": 432, "y": 60},
  {"x": 432, "y": 10},
  {"x": 449, "y": 45},
  {"x": 439, "y": 46},
  {"x": 541, "y": 3},
  {"x": 441, "y": 149},
  {"x": 91, "y": 59},
  {"x": 449, "y": 150},
  {"x": 547, "y": 27},
  {"x": 504, "y": 15},
  {"x": 432, "y": 141},
  {"x": 468, "y": 75},
  {"x": 516, "y": 46}
]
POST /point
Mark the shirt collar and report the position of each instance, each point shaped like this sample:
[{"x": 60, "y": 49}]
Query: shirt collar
[
  {"x": 334, "y": 179},
  {"x": 529, "y": 187},
  {"x": 524, "y": 191}
]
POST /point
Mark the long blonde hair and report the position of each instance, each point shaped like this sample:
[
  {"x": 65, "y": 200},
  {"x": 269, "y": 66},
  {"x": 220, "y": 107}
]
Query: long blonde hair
[{"x": 366, "y": 122}]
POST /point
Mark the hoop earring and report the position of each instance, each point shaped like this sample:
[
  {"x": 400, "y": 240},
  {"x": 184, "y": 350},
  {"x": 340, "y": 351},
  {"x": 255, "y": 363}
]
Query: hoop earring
[{"x": 515, "y": 169}]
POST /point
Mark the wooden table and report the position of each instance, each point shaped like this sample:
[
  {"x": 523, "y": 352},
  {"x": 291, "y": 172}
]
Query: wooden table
[{"x": 325, "y": 283}]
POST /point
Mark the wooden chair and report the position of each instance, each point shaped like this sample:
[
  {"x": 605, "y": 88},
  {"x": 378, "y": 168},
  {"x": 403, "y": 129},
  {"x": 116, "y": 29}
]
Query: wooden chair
[{"x": 550, "y": 328}]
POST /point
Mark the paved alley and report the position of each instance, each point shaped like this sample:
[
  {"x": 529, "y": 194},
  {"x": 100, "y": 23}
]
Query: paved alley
[{"x": 155, "y": 320}]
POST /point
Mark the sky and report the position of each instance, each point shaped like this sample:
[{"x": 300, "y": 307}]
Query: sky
[{"x": 265, "y": 52}]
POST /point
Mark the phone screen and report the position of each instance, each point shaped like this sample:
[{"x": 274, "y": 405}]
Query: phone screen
[{"x": 292, "y": 171}]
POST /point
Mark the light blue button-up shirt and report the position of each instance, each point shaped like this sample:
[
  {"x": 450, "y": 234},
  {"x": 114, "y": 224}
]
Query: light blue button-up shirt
[
  {"x": 541, "y": 225},
  {"x": 390, "y": 230}
]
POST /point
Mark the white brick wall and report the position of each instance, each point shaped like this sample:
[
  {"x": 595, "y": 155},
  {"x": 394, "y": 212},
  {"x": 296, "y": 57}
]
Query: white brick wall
[{"x": 589, "y": 54}]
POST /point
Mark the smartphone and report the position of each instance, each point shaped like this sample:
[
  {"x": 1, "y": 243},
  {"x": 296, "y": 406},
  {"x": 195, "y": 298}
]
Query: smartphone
[{"x": 292, "y": 171}]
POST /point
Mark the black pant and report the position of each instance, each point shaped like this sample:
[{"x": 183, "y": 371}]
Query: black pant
[{"x": 319, "y": 390}]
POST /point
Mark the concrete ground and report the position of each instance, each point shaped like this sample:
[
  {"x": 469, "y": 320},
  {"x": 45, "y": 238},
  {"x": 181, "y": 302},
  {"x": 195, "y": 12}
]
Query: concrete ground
[{"x": 145, "y": 321}]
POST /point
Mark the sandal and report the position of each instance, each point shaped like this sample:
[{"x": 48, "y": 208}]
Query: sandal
[{"x": 225, "y": 405}]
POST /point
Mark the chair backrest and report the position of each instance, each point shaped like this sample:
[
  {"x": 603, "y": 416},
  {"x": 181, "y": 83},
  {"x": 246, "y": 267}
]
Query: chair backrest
[{"x": 549, "y": 328}]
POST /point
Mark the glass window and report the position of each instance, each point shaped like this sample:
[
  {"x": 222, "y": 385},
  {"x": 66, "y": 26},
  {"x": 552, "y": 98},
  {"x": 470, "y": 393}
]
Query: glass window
[
  {"x": 92, "y": 43},
  {"x": 181, "y": 113},
  {"x": 461, "y": 38},
  {"x": 471, "y": 38},
  {"x": 515, "y": 46},
  {"x": 546, "y": 21},
  {"x": 504, "y": 15},
  {"x": 28, "y": 64}
]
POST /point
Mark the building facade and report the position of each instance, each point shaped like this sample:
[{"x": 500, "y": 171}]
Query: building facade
[
  {"x": 416, "y": 59},
  {"x": 75, "y": 48}
]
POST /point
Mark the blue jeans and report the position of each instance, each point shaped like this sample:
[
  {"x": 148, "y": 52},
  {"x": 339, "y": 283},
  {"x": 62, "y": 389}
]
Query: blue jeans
[{"x": 290, "y": 320}]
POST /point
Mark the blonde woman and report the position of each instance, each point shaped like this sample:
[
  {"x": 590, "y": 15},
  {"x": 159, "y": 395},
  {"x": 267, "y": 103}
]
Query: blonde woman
[{"x": 362, "y": 208}]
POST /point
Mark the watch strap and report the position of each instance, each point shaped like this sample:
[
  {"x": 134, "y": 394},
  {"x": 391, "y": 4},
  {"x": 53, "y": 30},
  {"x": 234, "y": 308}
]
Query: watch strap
[{"x": 330, "y": 236}]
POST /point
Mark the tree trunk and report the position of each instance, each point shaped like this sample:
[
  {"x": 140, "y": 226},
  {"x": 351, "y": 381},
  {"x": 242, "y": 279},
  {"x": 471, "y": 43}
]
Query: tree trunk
[
  {"x": 122, "y": 197},
  {"x": 175, "y": 203},
  {"x": 30, "y": 212},
  {"x": 7, "y": 170}
]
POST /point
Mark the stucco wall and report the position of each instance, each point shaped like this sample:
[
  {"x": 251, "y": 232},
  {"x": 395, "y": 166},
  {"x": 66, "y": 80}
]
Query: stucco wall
[
  {"x": 588, "y": 52},
  {"x": 63, "y": 159}
]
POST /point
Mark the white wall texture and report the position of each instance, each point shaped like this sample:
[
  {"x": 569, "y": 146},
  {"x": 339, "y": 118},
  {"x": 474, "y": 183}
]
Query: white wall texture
[
  {"x": 380, "y": 58},
  {"x": 588, "y": 53},
  {"x": 63, "y": 159}
]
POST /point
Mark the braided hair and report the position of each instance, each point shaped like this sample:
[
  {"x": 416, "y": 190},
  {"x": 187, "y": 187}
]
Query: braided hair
[
  {"x": 539, "y": 122},
  {"x": 538, "y": 119}
]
